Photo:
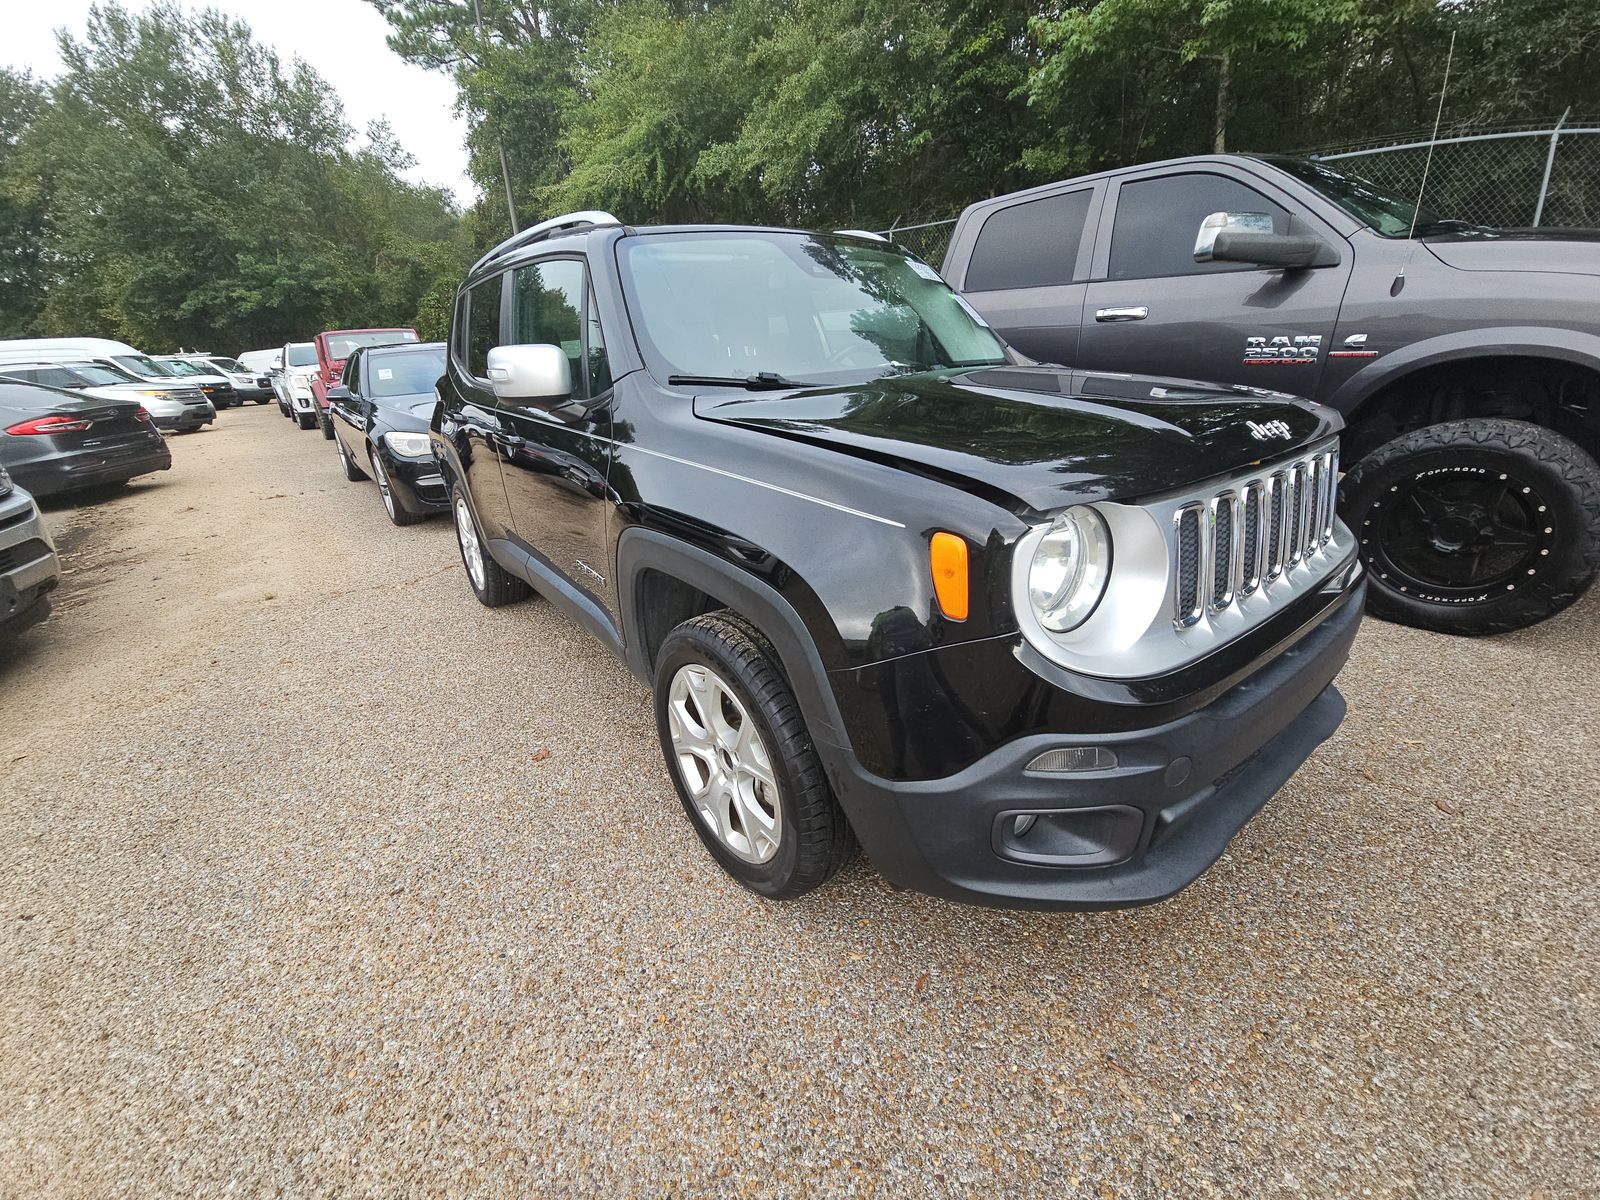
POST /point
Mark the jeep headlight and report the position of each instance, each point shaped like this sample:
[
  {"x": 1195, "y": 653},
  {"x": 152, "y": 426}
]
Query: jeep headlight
[
  {"x": 409, "y": 445},
  {"x": 1070, "y": 567}
]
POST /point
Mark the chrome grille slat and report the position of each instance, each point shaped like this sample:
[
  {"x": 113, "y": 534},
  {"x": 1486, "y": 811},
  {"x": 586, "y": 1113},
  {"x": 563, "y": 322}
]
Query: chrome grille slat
[{"x": 1250, "y": 534}]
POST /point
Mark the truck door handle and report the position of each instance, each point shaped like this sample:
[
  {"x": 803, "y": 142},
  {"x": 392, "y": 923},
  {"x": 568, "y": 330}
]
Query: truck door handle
[{"x": 1133, "y": 312}]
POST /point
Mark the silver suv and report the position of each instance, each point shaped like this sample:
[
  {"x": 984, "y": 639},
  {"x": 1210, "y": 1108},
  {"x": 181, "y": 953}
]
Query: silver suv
[{"x": 29, "y": 568}]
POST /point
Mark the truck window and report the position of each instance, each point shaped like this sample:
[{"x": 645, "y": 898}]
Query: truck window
[
  {"x": 1029, "y": 245},
  {"x": 547, "y": 310},
  {"x": 483, "y": 324},
  {"x": 1157, "y": 220}
]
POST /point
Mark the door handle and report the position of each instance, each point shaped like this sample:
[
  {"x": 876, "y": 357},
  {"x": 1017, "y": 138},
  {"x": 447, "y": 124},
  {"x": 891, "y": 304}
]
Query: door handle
[{"x": 1133, "y": 312}]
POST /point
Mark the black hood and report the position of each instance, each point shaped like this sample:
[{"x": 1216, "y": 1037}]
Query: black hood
[{"x": 1047, "y": 436}]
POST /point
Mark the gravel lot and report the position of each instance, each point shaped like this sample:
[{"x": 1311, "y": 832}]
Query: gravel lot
[{"x": 319, "y": 878}]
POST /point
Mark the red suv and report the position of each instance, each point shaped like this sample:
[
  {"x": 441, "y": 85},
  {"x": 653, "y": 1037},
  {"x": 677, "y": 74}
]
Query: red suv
[{"x": 333, "y": 347}]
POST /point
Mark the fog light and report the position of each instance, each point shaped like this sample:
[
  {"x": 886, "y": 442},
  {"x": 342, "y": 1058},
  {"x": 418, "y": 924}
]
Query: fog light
[{"x": 1073, "y": 758}]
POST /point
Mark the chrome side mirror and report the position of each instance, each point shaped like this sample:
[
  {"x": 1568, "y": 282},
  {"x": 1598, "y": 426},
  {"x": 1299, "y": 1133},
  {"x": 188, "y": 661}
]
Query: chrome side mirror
[
  {"x": 540, "y": 372},
  {"x": 1205, "y": 242}
]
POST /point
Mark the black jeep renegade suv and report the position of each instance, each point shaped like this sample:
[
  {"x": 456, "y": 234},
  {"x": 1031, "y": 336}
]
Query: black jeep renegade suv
[{"x": 1035, "y": 637}]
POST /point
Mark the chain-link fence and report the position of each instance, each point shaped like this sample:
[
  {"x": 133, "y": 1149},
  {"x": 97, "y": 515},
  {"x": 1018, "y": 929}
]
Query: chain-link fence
[
  {"x": 927, "y": 240},
  {"x": 1508, "y": 177},
  {"x": 1505, "y": 177}
]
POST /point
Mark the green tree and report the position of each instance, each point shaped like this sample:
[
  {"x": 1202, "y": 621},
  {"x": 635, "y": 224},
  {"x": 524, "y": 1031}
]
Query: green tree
[
  {"x": 201, "y": 193},
  {"x": 24, "y": 222}
]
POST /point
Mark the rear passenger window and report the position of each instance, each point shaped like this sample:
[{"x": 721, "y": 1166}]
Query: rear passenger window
[
  {"x": 483, "y": 324},
  {"x": 1159, "y": 219},
  {"x": 1029, "y": 245}
]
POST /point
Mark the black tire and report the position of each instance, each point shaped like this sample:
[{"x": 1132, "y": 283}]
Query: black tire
[
  {"x": 497, "y": 586},
  {"x": 1475, "y": 527},
  {"x": 263, "y": 400},
  {"x": 351, "y": 472},
  {"x": 814, "y": 839},
  {"x": 327, "y": 425},
  {"x": 396, "y": 510},
  {"x": 306, "y": 420}
]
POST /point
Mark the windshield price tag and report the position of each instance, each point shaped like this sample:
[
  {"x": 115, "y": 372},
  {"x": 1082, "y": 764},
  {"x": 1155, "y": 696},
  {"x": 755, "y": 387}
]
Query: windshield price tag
[
  {"x": 923, "y": 269},
  {"x": 971, "y": 312},
  {"x": 385, "y": 373}
]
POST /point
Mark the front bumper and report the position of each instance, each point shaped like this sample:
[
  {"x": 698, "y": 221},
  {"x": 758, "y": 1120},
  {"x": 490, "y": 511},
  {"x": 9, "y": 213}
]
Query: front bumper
[
  {"x": 29, "y": 568},
  {"x": 416, "y": 482},
  {"x": 190, "y": 418},
  {"x": 1130, "y": 835}
]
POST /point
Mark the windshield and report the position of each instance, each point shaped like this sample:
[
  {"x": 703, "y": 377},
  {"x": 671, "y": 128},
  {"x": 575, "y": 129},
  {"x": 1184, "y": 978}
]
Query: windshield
[
  {"x": 409, "y": 374},
  {"x": 178, "y": 367},
  {"x": 1389, "y": 216},
  {"x": 141, "y": 365},
  {"x": 341, "y": 344},
  {"x": 96, "y": 375},
  {"x": 227, "y": 364},
  {"x": 302, "y": 354},
  {"x": 804, "y": 307}
]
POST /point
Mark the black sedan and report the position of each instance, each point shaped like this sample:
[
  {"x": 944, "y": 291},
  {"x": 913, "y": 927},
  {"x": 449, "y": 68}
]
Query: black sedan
[
  {"x": 379, "y": 412},
  {"x": 55, "y": 441}
]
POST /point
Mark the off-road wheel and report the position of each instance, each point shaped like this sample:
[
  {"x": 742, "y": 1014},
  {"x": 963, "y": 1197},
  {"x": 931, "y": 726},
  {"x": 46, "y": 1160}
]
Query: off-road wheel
[
  {"x": 306, "y": 420},
  {"x": 398, "y": 513},
  {"x": 351, "y": 472},
  {"x": 1475, "y": 527},
  {"x": 326, "y": 423},
  {"x": 491, "y": 583},
  {"x": 742, "y": 760}
]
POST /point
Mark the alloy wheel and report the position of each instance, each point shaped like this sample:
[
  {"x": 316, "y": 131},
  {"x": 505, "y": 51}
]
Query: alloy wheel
[
  {"x": 471, "y": 548},
  {"x": 724, "y": 764},
  {"x": 381, "y": 477}
]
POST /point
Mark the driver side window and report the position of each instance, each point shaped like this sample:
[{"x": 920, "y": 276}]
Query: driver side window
[
  {"x": 1157, "y": 220},
  {"x": 547, "y": 309}
]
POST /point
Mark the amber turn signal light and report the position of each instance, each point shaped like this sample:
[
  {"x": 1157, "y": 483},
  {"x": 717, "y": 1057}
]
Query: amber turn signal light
[{"x": 948, "y": 554}]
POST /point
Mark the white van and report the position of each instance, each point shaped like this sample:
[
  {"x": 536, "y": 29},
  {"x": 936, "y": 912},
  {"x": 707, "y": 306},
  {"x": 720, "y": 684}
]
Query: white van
[{"x": 124, "y": 357}]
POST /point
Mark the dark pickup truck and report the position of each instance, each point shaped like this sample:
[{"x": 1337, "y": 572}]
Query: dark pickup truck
[
  {"x": 1034, "y": 637},
  {"x": 1465, "y": 360}
]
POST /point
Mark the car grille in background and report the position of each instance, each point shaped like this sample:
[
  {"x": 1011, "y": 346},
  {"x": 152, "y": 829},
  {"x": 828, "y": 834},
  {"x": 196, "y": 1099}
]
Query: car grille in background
[
  {"x": 22, "y": 553},
  {"x": 1251, "y": 534}
]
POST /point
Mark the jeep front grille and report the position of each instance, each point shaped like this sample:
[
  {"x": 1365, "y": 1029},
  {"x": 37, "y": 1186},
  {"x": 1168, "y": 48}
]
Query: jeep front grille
[{"x": 1251, "y": 534}]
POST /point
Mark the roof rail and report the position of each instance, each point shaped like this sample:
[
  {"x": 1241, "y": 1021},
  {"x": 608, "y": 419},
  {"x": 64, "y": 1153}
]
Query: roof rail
[{"x": 544, "y": 229}]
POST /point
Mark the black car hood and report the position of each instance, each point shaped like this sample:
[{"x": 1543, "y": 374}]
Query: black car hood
[
  {"x": 1565, "y": 251},
  {"x": 1046, "y": 436}
]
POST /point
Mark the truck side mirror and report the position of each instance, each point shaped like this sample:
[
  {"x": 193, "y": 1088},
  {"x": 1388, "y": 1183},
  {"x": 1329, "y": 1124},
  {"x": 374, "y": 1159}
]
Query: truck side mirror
[
  {"x": 338, "y": 393},
  {"x": 1244, "y": 237},
  {"x": 540, "y": 372}
]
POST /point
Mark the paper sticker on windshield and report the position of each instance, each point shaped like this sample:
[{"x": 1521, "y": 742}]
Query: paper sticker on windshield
[
  {"x": 972, "y": 312},
  {"x": 927, "y": 272},
  {"x": 385, "y": 373}
]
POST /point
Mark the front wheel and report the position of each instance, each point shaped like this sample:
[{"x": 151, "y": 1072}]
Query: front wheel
[
  {"x": 305, "y": 420},
  {"x": 398, "y": 513},
  {"x": 327, "y": 425},
  {"x": 743, "y": 761},
  {"x": 491, "y": 583},
  {"x": 1475, "y": 527}
]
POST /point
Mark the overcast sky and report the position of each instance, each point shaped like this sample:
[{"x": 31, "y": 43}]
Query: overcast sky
[{"x": 341, "y": 39}]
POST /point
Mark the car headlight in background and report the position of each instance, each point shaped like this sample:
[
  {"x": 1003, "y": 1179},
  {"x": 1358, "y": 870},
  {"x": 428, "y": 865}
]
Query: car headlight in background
[
  {"x": 1070, "y": 567},
  {"x": 409, "y": 445}
]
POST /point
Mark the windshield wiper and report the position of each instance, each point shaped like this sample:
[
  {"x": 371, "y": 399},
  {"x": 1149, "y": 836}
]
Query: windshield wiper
[{"x": 761, "y": 381}]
